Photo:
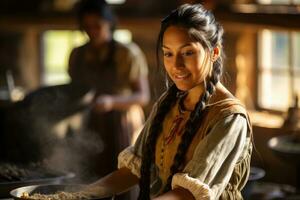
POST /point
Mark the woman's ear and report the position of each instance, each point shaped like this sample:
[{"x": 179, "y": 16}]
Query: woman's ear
[{"x": 216, "y": 53}]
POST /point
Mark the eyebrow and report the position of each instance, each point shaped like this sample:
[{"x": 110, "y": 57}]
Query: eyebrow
[{"x": 182, "y": 46}]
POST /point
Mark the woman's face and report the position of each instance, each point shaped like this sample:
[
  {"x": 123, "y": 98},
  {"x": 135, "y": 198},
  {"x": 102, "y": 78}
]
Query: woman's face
[
  {"x": 186, "y": 61},
  {"x": 97, "y": 29}
]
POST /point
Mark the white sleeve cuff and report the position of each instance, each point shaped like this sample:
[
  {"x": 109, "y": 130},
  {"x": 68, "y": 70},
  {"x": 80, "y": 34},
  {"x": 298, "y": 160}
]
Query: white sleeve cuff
[
  {"x": 129, "y": 160},
  {"x": 200, "y": 191}
]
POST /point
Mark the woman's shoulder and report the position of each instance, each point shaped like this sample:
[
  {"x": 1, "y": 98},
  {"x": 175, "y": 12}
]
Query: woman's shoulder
[
  {"x": 129, "y": 49},
  {"x": 223, "y": 104},
  {"x": 223, "y": 98},
  {"x": 79, "y": 49}
]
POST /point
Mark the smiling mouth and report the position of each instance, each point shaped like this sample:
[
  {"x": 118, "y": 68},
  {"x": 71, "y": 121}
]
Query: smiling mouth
[{"x": 181, "y": 76}]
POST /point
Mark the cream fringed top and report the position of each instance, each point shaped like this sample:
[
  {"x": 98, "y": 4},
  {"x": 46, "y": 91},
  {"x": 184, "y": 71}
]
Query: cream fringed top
[{"x": 218, "y": 160}]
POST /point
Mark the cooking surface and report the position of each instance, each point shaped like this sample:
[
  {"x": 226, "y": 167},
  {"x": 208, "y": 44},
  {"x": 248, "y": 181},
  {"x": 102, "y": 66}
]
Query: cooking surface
[
  {"x": 12, "y": 172},
  {"x": 13, "y": 176},
  {"x": 54, "y": 189}
]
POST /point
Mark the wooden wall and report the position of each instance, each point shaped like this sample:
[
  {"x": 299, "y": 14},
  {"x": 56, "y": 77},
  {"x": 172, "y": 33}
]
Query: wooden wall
[{"x": 20, "y": 50}]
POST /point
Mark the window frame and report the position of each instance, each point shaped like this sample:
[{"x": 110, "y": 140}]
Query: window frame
[{"x": 291, "y": 70}]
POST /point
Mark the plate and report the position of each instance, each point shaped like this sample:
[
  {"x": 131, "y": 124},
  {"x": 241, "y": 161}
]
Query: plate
[{"x": 50, "y": 189}]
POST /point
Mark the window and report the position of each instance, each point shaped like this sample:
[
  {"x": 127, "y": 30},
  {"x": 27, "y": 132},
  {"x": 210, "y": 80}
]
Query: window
[
  {"x": 278, "y": 69},
  {"x": 57, "y": 48},
  {"x": 282, "y": 2},
  {"x": 116, "y": 1}
]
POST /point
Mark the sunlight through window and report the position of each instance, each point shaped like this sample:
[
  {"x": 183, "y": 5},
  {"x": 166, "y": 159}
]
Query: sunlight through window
[
  {"x": 58, "y": 45},
  {"x": 57, "y": 48},
  {"x": 278, "y": 69},
  {"x": 279, "y": 2},
  {"x": 115, "y": 1}
]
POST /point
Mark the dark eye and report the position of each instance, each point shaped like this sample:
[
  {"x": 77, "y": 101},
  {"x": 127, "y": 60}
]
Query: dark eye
[
  {"x": 167, "y": 54},
  {"x": 188, "y": 53}
]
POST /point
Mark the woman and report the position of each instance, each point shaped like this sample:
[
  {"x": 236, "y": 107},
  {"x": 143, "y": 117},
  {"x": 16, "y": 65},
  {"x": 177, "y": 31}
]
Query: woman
[
  {"x": 118, "y": 74},
  {"x": 196, "y": 144}
]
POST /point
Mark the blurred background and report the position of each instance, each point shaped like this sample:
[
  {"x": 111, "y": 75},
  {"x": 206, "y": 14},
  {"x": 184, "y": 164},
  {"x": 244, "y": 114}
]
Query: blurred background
[{"x": 262, "y": 67}]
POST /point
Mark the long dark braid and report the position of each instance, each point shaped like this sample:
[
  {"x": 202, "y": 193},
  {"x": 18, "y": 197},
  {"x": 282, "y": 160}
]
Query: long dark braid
[
  {"x": 209, "y": 33},
  {"x": 203, "y": 28},
  {"x": 149, "y": 150},
  {"x": 192, "y": 125}
]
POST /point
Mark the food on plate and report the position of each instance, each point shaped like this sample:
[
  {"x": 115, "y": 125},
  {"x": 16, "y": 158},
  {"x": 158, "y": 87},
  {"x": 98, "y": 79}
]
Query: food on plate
[{"x": 56, "y": 196}]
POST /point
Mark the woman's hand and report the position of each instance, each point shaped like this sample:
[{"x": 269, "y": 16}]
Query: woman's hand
[
  {"x": 89, "y": 97},
  {"x": 115, "y": 183},
  {"x": 104, "y": 103},
  {"x": 176, "y": 194}
]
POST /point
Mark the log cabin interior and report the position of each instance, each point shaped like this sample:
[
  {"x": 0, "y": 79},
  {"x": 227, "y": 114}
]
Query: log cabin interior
[{"x": 262, "y": 66}]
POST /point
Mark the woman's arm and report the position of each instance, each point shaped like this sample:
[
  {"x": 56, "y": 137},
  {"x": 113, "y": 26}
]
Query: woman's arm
[
  {"x": 215, "y": 157},
  {"x": 132, "y": 66},
  {"x": 140, "y": 96},
  {"x": 122, "y": 180},
  {"x": 114, "y": 183}
]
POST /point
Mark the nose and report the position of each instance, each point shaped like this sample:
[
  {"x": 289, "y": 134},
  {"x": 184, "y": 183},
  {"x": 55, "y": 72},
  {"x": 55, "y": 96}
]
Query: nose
[{"x": 179, "y": 62}]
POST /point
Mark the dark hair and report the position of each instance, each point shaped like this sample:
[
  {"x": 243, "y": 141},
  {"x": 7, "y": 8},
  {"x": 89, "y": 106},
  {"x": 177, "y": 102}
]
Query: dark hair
[
  {"x": 202, "y": 27},
  {"x": 99, "y": 7}
]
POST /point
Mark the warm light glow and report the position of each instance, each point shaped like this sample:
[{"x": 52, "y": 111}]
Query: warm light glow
[
  {"x": 115, "y": 1},
  {"x": 57, "y": 48},
  {"x": 265, "y": 61},
  {"x": 242, "y": 90},
  {"x": 265, "y": 1},
  {"x": 264, "y": 119},
  {"x": 266, "y": 44},
  {"x": 273, "y": 142},
  {"x": 123, "y": 35},
  {"x": 58, "y": 45},
  {"x": 274, "y": 79},
  {"x": 274, "y": 1}
]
